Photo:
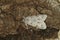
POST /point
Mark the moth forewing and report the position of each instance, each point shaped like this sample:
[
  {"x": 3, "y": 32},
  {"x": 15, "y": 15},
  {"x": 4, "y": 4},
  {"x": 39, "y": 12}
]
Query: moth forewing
[{"x": 36, "y": 21}]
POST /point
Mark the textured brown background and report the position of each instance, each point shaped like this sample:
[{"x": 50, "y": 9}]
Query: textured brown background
[{"x": 13, "y": 11}]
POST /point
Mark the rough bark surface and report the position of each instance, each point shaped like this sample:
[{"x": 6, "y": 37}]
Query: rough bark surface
[{"x": 13, "y": 11}]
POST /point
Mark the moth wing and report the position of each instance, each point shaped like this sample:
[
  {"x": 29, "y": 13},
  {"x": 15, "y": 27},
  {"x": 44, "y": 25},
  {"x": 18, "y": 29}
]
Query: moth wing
[
  {"x": 43, "y": 25},
  {"x": 43, "y": 17}
]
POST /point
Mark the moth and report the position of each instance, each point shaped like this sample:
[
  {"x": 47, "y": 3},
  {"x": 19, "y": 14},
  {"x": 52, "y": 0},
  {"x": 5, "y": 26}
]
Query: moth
[{"x": 36, "y": 21}]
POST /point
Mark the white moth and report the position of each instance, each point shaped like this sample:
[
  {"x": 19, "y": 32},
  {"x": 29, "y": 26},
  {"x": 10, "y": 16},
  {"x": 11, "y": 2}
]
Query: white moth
[{"x": 36, "y": 21}]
